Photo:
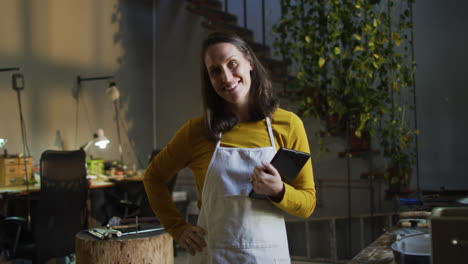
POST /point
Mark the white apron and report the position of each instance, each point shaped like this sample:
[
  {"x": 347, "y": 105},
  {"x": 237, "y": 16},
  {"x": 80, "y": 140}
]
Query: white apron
[{"x": 239, "y": 229}]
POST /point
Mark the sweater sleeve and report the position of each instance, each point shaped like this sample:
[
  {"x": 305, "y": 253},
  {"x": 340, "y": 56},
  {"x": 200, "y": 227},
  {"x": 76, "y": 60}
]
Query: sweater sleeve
[
  {"x": 162, "y": 168},
  {"x": 299, "y": 197}
]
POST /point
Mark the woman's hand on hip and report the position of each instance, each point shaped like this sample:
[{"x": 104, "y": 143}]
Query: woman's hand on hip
[
  {"x": 192, "y": 239},
  {"x": 267, "y": 180}
]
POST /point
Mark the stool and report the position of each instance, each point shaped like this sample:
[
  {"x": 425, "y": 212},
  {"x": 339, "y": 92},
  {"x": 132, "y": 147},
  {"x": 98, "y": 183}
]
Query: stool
[{"x": 150, "y": 247}]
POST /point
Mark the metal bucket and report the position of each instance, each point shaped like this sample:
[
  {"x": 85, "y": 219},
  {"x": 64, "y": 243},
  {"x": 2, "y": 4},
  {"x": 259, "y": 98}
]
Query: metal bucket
[{"x": 413, "y": 249}]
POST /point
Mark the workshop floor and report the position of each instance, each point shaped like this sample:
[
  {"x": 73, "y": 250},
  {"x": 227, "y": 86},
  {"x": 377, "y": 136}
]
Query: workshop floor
[{"x": 182, "y": 258}]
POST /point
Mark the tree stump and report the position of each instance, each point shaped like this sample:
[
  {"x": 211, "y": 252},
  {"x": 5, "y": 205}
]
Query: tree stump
[{"x": 151, "y": 247}]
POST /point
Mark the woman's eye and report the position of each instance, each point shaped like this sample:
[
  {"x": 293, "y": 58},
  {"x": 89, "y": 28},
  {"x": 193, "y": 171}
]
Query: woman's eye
[
  {"x": 232, "y": 64},
  {"x": 214, "y": 72}
]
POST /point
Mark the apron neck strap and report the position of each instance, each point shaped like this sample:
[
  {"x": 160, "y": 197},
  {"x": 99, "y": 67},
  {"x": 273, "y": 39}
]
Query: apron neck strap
[
  {"x": 270, "y": 134},
  {"x": 219, "y": 140}
]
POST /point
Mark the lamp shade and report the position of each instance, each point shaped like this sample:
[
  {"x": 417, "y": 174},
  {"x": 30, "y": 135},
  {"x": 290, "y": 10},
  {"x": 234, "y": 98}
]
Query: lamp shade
[
  {"x": 100, "y": 140},
  {"x": 2, "y": 142},
  {"x": 113, "y": 92}
]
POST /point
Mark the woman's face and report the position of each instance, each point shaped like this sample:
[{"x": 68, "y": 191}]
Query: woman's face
[{"x": 229, "y": 72}]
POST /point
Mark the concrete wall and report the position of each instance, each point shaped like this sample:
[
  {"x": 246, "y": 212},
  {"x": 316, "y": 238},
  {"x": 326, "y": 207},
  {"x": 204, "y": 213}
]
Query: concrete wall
[
  {"x": 177, "y": 76},
  {"x": 53, "y": 42},
  {"x": 442, "y": 94}
]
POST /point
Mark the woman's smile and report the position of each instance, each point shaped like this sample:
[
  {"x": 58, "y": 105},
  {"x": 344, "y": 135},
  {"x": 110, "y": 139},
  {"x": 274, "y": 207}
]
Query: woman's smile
[{"x": 231, "y": 88}]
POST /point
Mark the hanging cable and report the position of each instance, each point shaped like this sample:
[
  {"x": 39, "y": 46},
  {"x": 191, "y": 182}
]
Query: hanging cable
[{"x": 132, "y": 147}]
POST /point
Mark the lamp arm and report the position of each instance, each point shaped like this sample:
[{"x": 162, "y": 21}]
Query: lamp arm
[
  {"x": 87, "y": 145},
  {"x": 9, "y": 69}
]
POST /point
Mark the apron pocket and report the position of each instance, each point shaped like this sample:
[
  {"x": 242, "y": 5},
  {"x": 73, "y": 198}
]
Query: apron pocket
[
  {"x": 235, "y": 185},
  {"x": 247, "y": 223}
]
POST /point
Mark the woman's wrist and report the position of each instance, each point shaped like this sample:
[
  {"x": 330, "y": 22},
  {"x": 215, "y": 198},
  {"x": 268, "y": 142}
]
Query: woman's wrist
[{"x": 278, "y": 197}]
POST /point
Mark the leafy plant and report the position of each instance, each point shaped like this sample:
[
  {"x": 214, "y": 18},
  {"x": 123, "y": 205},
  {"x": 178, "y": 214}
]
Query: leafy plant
[
  {"x": 398, "y": 142},
  {"x": 352, "y": 63}
]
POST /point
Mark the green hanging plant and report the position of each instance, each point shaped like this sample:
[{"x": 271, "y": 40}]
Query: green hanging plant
[{"x": 352, "y": 67}]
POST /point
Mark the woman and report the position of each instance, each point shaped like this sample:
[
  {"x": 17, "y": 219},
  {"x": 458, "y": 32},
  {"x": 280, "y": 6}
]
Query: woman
[{"x": 228, "y": 150}]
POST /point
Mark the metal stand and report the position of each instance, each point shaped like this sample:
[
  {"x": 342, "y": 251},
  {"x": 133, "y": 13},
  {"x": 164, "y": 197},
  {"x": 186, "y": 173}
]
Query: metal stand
[
  {"x": 18, "y": 85},
  {"x": 366, "y": 155},
  {"x": 117, "y": 123}
]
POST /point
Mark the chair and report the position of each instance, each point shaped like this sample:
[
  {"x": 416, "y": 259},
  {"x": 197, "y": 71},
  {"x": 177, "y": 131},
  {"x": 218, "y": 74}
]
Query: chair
[
  {"x": 10, "y": 231},
  {"x": 61, "y": 210}
]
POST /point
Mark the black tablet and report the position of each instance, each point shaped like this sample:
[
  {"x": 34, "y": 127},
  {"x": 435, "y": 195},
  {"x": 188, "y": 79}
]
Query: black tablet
[{"x": 288, "y": 163}]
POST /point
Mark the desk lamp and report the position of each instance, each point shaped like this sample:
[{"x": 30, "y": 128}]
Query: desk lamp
[
  {"x": 2, "y": 140},
  {"x": 99, "y": 140},
  {"x": 2, "y": 143},
  {"x": 18, "y": 84},
  {"x": 114, "y": 95}
]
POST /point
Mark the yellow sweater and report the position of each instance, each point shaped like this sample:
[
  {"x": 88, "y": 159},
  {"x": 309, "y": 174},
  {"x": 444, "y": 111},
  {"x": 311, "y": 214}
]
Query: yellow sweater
[{"x": 190, "y": 148}]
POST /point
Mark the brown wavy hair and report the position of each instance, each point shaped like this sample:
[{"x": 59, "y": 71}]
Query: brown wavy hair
[{"x": 262, "y": 101}]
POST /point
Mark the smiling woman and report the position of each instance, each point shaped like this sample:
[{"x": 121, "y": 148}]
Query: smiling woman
[
  {"x": 254, "y": 101},
  {"x": 229, "y": 150}
]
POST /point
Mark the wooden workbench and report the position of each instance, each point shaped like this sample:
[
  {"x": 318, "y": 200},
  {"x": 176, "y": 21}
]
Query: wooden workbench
[{"x": 379, "y": 252}]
